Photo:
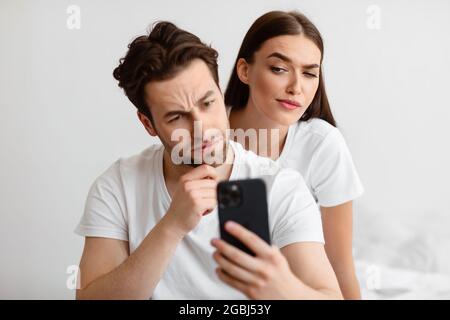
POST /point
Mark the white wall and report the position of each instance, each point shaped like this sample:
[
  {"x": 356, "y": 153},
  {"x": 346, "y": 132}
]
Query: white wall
[{"x": 63, "y": 120}]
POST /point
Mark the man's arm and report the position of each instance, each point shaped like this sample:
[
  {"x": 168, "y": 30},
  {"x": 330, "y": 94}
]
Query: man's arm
[
  {"x": 309, "y": 262},
  {"x": 107, "y": 271},
  {"x": 297, "y": 271}
]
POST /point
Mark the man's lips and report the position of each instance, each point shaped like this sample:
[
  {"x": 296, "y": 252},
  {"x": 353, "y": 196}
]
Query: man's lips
[
  {"x": 207, "y": 144},
  {"x": 289, "y": 104}
]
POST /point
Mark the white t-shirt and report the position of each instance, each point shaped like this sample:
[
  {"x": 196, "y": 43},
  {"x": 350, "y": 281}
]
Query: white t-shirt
[
  {"x": 127, "y": 201},
  {"x": 319, "y": 152}
]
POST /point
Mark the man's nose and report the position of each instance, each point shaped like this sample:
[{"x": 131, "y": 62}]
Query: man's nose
[
  {"x": 203, "y": 119},
  {"x": 198, "y": 125}
]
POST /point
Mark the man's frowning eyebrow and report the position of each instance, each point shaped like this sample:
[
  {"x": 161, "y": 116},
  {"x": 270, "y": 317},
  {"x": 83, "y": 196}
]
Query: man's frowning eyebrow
[
  {"x": 208, "y": 94},
  {"x": 288, "y": 60},
  {"x": 175, "y": 113}
]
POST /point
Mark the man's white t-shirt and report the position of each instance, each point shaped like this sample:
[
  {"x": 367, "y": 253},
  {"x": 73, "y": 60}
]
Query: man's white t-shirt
[
  {"x": 319, "y": 152},
  {"x": 129, "y": 199}
]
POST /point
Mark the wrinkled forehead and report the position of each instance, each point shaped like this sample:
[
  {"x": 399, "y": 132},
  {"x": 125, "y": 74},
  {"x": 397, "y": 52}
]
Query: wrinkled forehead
[{"x": 184, "y": 89}]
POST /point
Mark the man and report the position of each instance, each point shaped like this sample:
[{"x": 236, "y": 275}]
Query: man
[{"x": 150, "y": 223}]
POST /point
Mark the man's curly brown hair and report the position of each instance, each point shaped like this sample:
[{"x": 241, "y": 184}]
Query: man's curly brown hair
[{"x": 158, "y": 56}]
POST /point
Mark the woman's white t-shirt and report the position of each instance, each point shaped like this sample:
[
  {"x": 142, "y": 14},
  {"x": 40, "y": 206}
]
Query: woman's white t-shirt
[
  {"x": 130, "y": 197},
  {"x": 319, "y": 152}
]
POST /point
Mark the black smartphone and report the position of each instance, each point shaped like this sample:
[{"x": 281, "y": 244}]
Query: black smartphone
[{"x": 244, "y": 202}]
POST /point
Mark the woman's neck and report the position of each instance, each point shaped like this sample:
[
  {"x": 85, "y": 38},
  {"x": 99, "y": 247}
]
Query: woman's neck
[{"x": 251, "y": 118}]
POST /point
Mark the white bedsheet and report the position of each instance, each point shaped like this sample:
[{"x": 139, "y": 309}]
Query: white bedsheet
[
  {"x": 403, "y": 255},
  {"x": 383, "y": 282}
]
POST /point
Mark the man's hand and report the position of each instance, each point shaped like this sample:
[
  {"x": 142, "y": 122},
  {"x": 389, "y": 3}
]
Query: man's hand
[
  {"x": 194, "y": 197},
  {"x": 265, "y": 276}
]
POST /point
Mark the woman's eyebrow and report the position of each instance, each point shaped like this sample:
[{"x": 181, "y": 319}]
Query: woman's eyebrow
[
  {"x": 288, "y": 60},
  {"x": 311, "y": 66},
  {"x": 279, "y": 56}
]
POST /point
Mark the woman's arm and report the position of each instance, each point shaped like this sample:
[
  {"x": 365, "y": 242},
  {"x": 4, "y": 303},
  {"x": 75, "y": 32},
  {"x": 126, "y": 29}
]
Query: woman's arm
[{"x": 338, "y": 233}]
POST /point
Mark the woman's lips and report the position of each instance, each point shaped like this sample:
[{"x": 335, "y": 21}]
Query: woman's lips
[{"x": 289, "y": 104}]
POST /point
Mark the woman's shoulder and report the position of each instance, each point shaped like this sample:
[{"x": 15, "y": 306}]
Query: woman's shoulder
[
  {"x": 315, "y": 136},
  {"x": 312, "y": 133},
  {"x": 316, "y": 127},
  {"x": 320, "y": 137}
]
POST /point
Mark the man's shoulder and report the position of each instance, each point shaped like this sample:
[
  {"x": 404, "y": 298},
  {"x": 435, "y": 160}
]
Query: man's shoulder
[
  {"x": 253, "y": 165},
  {"x": 285, "y": 181},
  {"x": 131, "y": 167},
  {"x": 135, "y": 161},
  {"x": 270, "y": 171}
]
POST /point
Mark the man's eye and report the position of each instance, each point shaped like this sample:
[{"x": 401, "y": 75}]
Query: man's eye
[
  {"x": 175, "y": 118},
  {"x": 277, "y": 70},
  {"x": 208, "y": 103}
]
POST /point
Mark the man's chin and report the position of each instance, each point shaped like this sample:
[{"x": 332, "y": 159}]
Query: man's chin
[
  {"x": 195, "y": 164},
  {"x": 214, "y": 159}
]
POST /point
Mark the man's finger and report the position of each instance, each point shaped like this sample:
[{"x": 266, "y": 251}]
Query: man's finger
[
  {"x": 231, "y": 281},
  {"x": 237, "y": 256},
  {"x": 208, "y": 205},
  {"x": 235, "y": 270},
  {"x": 248, "y": 238},
  {"x": 202, "y": 172},
  {"x": 209, "y": 194},
  {"x": 204, "y": 184}
]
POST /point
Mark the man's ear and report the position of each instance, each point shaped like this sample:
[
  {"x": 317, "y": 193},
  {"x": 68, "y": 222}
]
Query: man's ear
[
  {"x": 147, "y": 124},
  {"x": 242, "y": 70}
]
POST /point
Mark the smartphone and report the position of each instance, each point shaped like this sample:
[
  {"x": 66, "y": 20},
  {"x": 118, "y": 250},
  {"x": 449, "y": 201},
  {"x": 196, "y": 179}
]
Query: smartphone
[{"x": 244, "y": 202}]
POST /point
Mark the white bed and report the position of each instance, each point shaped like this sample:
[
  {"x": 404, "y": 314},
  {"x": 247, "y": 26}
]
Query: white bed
[{"x": 402, "y": 256}]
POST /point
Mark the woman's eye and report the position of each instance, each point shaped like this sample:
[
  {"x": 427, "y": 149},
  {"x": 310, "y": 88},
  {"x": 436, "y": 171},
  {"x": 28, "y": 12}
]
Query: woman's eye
[
  {"x": 277, "y": 70},
  {"x": 310, "y": 75}
]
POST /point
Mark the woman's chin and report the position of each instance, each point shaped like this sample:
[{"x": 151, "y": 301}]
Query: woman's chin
[{"x": 282, "y": 117}]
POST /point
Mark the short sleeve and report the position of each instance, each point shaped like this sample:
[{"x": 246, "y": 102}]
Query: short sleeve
[
  {"x": 104, "y": 212},
  {"x": 333, "y": 176},
  {"x": 296, "y": 217}
]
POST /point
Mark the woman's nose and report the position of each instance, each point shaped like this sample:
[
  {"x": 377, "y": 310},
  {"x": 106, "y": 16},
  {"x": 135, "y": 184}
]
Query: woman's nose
[{"x": 295, "y": 86}]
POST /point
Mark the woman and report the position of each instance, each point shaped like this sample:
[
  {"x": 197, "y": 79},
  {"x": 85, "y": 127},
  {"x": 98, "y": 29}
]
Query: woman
[{"x": 277, "y": 84}]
